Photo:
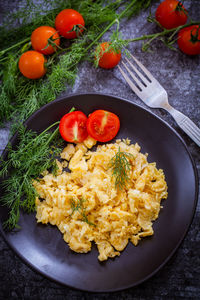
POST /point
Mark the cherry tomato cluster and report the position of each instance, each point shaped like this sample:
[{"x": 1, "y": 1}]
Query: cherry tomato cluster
[
  {"x": 101, "y": 125},
  {"x": 69, "y": 24},
  {"x": 45, "y": 40},
  {"x": 171, "y": 14}
]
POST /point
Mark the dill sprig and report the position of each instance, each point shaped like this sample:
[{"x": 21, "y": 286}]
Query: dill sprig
[
  {"x": 77, "y": 205},
  {"x": 121, "y": 166},
  {"x": 33, "y": 154}
]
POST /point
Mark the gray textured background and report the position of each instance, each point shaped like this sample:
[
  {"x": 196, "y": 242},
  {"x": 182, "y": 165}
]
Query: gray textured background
[{"x": 179, "y": 74}]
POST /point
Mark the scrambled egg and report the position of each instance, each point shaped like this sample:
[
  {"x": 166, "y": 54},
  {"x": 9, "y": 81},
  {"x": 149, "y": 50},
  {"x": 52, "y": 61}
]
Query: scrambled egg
[{"x": 86, "y": 206}]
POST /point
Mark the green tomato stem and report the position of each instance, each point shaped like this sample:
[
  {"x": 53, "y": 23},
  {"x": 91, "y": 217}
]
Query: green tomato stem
[{"x": 164, "y": 32}]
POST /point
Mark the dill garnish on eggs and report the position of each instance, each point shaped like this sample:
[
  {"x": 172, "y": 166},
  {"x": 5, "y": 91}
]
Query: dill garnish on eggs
[
  {"x": 121, "y": 167},
  {"x": 77, "y": 205}
]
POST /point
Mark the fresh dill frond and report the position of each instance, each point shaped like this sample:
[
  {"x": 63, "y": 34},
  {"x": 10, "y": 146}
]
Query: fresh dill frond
[
  {"x": 77, "y": 205},
  {"x": 6, "y": 107},
  {"x": 33, "y": 154},
  {"x": 121, "y": 166}
]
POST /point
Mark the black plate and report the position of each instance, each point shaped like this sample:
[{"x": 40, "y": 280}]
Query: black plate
[{"x": 43, "y": 248}]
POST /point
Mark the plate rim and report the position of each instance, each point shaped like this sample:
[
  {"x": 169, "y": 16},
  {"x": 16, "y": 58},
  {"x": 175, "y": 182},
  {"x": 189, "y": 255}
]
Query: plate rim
[{"x": 181, "y": 239}]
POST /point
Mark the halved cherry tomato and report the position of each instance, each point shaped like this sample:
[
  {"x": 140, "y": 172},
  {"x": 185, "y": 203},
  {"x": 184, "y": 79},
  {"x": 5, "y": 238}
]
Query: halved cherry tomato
[
  {"x": 108, "y": 59},
  {"x": 73, "y": 128},
  {"x": 103, "y": 125},
  {"x": 189, "y": 40},
  {"x": 66, "y": 20},
  {"x": 39, "y": 39},
  {"x": 171, "y": 14},
  {"x": 32, "y": 64}
]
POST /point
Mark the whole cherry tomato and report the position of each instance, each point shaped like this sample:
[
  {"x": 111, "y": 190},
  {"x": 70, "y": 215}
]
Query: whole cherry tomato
[
  {"x": 32, "y": 64},
  {"x": 189, "y": 40},
  {"x": 39, "y": 39},
  {"x": 108, "y": 59},
  {"x": 103, "y": 125},
  {"x": 171, "y": 14},
  {"x": 73, "y": 128},
  {"x": 66, "y": 20}
]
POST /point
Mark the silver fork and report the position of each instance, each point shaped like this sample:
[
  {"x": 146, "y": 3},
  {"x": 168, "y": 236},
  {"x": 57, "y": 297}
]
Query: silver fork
[{"x": 149, "y": 90}]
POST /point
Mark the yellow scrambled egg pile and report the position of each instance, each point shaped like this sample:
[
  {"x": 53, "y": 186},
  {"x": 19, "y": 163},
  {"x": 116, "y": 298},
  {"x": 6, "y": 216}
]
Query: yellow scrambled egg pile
[{"x": 86, "y": 206}]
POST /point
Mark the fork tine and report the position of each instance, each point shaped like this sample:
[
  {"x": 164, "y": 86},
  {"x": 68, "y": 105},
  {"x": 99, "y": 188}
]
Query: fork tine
[
  {"x": 143, "y": 68},
  {"x": 139, "y": 83},
  {"x": 138, "y": 72},
  {"x": 131, "y": 84}
]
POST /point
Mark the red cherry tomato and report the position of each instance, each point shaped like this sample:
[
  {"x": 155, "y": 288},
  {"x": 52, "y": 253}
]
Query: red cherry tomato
[
  {"x": 66, "y": 20},
  {"x": 32, "y": 64},
  {"x": 108, "y": 59},
  {"x": 171, "y": 14},
  {"x": 103, "y": 125},
  {"x": 73, "y": 128},
  {"x": 189, "y": 40},
  {"x": 39, "y": 39}
]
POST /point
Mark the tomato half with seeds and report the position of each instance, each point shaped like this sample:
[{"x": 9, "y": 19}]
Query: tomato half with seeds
[
  {"x": 32, "y": 64},
  {"x": 40, "y": 39},
  {"x": 66, "y": 20},
  {"x": 189, "y": 40},
  {"x": 103, "y": 125},
  {"x": 109, "y": 59},
  {"x": 73, "y": 127},
  {"x": 171, "y": 14}
]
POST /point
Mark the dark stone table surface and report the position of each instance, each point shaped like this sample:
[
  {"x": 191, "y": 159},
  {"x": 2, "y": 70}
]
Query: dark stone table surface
[{"x": 180, "y": 76}]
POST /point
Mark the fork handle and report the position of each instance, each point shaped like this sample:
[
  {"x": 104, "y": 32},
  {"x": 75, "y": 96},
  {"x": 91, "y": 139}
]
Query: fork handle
[{"x": 185, "y": 124}]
